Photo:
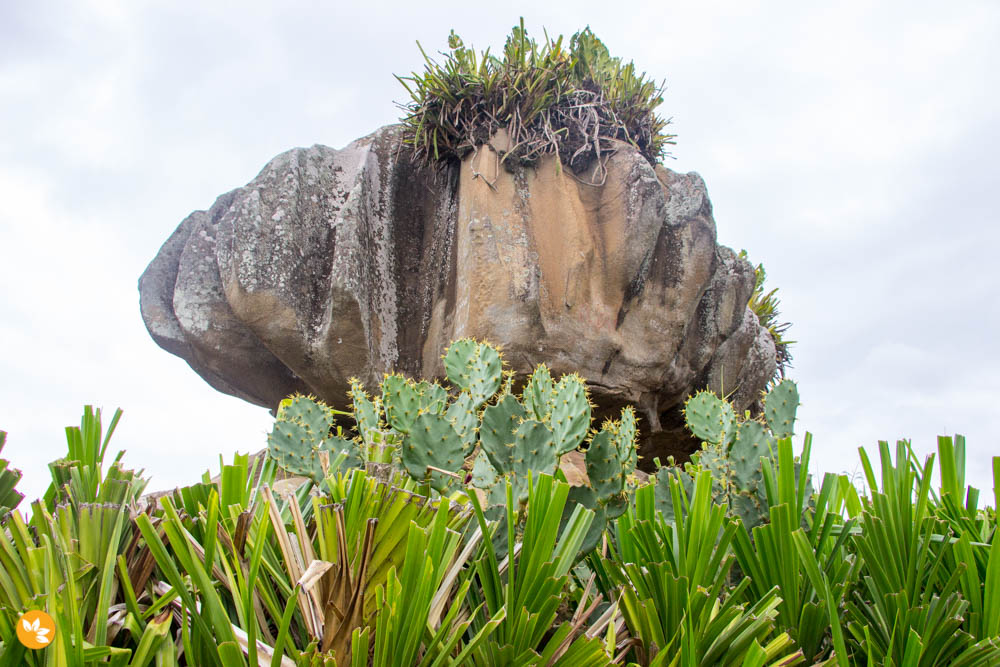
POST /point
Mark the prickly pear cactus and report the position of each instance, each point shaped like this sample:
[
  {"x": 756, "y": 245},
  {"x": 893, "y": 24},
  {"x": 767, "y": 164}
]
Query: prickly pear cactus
[
  {"x": 628, "y": 438},
  {"x": 732, "y": 450},
  {"x": 433, "y": 433},
  {"x": 301, "y": 432},
  {"x": 465, "y": 419},
  {"x": 475, "y": 368},
  {"x": 538, "y": 392},
  {"x": 448, "y": 429},
  {"x": 484, "y": 475},
  {"x": 496, "y": 434},
  {"x": 568, "y": 412},
  {"x": 367, "y": 411},
  {"x": 433, "y": 397},
  {"x": 747, "y": 497},
  {"x": 402, "y": 400},
  {"x": 611, "y": 458},
  {"x": 519, "y": 437},
  {"x": 780, "y": 405},
  {"x": 515, "y": 446},
  {"x": 534, "y": 450},
  {"x": 710, "y": 418},
  {"x": 752, "y": 442},
  {"x": 564, "y": 406},
  {"x": 433, "y": 446}
]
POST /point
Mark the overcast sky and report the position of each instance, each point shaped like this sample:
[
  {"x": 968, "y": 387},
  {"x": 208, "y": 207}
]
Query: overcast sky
[{"x": 852, "y": 149}]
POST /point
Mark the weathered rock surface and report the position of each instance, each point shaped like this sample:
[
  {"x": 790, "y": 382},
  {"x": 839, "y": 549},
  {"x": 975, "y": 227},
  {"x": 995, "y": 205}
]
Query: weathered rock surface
[{"x": 356, "y": 262}]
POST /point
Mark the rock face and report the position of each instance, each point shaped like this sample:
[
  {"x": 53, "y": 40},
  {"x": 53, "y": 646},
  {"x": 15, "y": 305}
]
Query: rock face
[{"x": 356, "y": 262}]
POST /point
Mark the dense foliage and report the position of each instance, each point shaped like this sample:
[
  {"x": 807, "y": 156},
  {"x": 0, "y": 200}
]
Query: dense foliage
[
  {"x": 548, "y": 97},
  {"x": 376, "y": 554}
]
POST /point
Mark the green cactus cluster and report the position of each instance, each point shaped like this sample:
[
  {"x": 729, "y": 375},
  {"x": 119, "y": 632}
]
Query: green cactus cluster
[
  {"x": 526, "y": 435},
  {"x": 479, "y": 424},
  {"x": 302, "y": 432},
  {"x": 733, "y": 449},
  {"x": 435, "y": 433},
  {"x": 439, "y": 432},
  {"x": 418, "y": 425}
]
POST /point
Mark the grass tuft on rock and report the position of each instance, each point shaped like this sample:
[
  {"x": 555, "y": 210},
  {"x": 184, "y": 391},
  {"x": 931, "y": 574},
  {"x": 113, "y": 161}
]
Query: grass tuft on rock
[{"x": 534, "y": 99}]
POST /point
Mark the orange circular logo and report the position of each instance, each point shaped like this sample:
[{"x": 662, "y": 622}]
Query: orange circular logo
[{"x": 36, "y": 629}]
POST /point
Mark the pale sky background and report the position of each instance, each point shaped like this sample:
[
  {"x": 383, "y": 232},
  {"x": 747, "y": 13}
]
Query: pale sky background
[{"x": 851, "y": 148}]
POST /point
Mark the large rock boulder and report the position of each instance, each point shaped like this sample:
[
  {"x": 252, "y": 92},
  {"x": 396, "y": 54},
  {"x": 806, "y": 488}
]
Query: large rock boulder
[{"x": 357, "y": 262}]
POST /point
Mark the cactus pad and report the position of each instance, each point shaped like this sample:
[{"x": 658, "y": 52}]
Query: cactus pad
[
  {"x": 534, "y": 450},
  {"x": 474, "y": 367},
  {"x": 497, "y": 431},
  {"x": 401, "y": 400},
  {"x": 301, "y": 432},
  {"x": 432, "y": 441},
  {"x": 603, "y": 467},
  {"x": 710, "y": 418},
  {"x": 780, "y": 405},
  {"x": 309, "y": 412},
  {"x": 432, "y": 397},
  {"x": 752, "y": 442},
  {"x": 457, "y": 359},
  {"x": 628, "y": 451},
  {"x": 291, "y": 446},
  {"x": 463, "y": 417},
  {"x": 366, "y": 411},
  {"x": 538, "y": 392},
  {"x": 484, "y": 475},
  {"x": 715, "y": 459},
  {"x": 750, "y": 507},
  {"x": 567, "y": 412}
]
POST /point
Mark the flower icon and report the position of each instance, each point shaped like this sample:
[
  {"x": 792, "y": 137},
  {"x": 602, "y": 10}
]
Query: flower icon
[
  {"x": 41, "y": 634},
  {"x": 35, "y": 629}
]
